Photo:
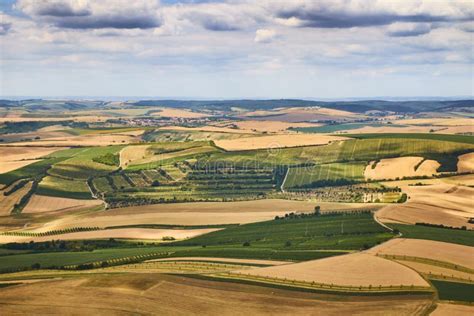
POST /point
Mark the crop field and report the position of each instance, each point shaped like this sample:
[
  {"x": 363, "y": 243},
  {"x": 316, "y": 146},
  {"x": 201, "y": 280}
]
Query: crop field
[
  {"x": 82, "y": 164},
  {"x": 325, "y": 174},
  {"x": 60, "y": 187},
  {"x": 341, "y": 232},
  {"x": 465, "y": 139},
  {"x": 451, "y": 291},
  {"x": 455, "y": 236},
  {"x": 338, "y": 127}
]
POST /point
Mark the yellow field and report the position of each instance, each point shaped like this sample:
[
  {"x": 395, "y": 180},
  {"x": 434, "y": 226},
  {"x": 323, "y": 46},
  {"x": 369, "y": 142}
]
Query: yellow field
[
  {"x": 466, "y": 163},
  {"x": 214, "y": 129},
  {"x": 203, "y": 213},
  {"x": 123, "y": 233},
  {"x": 441, "y": 203},
  {"x": 85, "y": 140},
  {"x": 130, "y": 154},
  {"x": 393, "y": 168},
  {"x": 444, "y": 309},
  {"x": 276, "y": 141},
  {"x": 12, "y": 158},
  {"x": 41, "y": 203},
  {"x": 148, "y": 294},
  {"x": 356, "y": 269},
  {"x": 270, "y": 126},
  {"x": 434, "y": 250}
]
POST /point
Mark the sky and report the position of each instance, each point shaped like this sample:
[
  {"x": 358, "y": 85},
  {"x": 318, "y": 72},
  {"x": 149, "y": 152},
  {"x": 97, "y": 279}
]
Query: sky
[{"x": 237, "y": 48}]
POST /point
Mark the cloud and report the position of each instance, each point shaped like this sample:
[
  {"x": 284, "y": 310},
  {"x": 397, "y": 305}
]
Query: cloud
[
  {"x": 408, "y": 29},
  {"x": 88, "y": 14},
  {"x": 348, "y": 14},
  {"x": 264, "y": 35},
  {"x": 215, "y": 23},
  {"x": 5, "y": 28}
]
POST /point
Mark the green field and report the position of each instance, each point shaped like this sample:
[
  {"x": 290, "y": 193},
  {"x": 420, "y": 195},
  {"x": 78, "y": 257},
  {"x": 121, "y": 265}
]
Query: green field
[
  {"x": 329, "y": 232},
  {"x": 455, "y": 236},
  {"x": 465, "y": 139},
  {"x": 325, "y": 174},
  {"x": 453, "y": 291},
  {"x": 54, "y": 186},
  {"x": 340, "y": 127}
]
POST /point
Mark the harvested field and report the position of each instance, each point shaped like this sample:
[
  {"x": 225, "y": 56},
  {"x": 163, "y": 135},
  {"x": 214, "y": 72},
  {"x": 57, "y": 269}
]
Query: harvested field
[
  {"x": 433, "y": 270},
  {"x": 12, "y": 158},
  {"x": 229, "y": 260},
  {"x": 356, "y": 269},
  {"x": 270, "y": 126},
  {"x": 434, "y": 250},
  {"x": 466, "y": 163},
  {"x": 300, "y": 114},
  {"x": 442, "y": 203},
  {"x": 123, "y": 294},
  {"x": 8, "y": 202},
  {"x": 215, "y": 129},
  {"x": 119, "y": 233},
  {"x": 443, "y": 309},
  {"x": 393, "y": 168},
  {"x": 41, "y": 204},
  {"x": 132, "y": 153},
  {"x": 450, "y": 121},
  {"x": 170, "y": 112},
  {"x": 276, "y": 141},
  {"x": 205, "y": 213},
  {"x": 84, "y": 140},
  {"x": 7, "y": 166}
]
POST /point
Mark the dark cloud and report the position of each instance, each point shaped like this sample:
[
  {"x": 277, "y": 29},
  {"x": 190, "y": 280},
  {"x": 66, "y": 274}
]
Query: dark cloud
[
  {"x": 322, "y": 19},
  {"x": 408, "y": 33},
  {"x": 58, "y": 9},
  {"x": 110, "y": 21},
  {"x": 5, "y": 28},
  {"x": 215, "y": 24}
]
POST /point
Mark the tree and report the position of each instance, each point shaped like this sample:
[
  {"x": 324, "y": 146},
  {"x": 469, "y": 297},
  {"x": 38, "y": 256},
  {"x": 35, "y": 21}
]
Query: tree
[
  {"x": 246, "y": 244},
  {"x": 317, "y": 210}
]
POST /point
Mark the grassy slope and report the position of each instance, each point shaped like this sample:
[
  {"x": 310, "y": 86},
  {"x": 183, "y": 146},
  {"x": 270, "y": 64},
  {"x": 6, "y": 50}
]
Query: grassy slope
[
  {"x": 443, "y": 137},
  {"x": 455, "y": 236},
  {"x": 343, "y": 232}
]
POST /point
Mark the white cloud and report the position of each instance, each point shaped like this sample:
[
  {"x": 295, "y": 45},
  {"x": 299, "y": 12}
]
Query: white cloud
[{"x": 265, "y": 35}]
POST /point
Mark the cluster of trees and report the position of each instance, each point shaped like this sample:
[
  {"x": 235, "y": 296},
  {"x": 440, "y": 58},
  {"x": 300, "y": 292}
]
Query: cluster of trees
[
  {"x": 317, "y": 213},
  {"x": 16, "y": 187},
  {"x": 51, "y": 232},
  {"x": 18, "y": 207},
  {"x": 444, "y": 226}
]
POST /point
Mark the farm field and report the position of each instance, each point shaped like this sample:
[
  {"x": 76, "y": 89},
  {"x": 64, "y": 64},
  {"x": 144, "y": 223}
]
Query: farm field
[
  {"x": 393, "y": 168},
  {"x": 232, "y": 201},
  {"x": 120, "y": 233},
  {"x": 442, "y": 204},
  {"x": 140, "y": 293},
  {"x": 275, "y": 141},
  {"x": 428, "y": 249},
  {"x": 41, "y": 203},
  {"x": 353, "y": 270}
]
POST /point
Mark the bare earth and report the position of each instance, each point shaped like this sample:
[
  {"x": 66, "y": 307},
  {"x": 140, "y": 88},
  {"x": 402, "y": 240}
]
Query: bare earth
[
  {"x": 443, "y": 309},
  {"x": 41, "y": 203},
  {"x": 158, "y": 294},
  {"x": 437, "y": 204},
  {"x": 357, "y": 269},
  {"x": 215, "y": 129},
  {"x": 393, "y": 168},
  {"x": 276, "y": 141},
  {"x": 466, "y": 163},
  {"x": 435, "y": 250},
  {"x": 125, "y": 233}
]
